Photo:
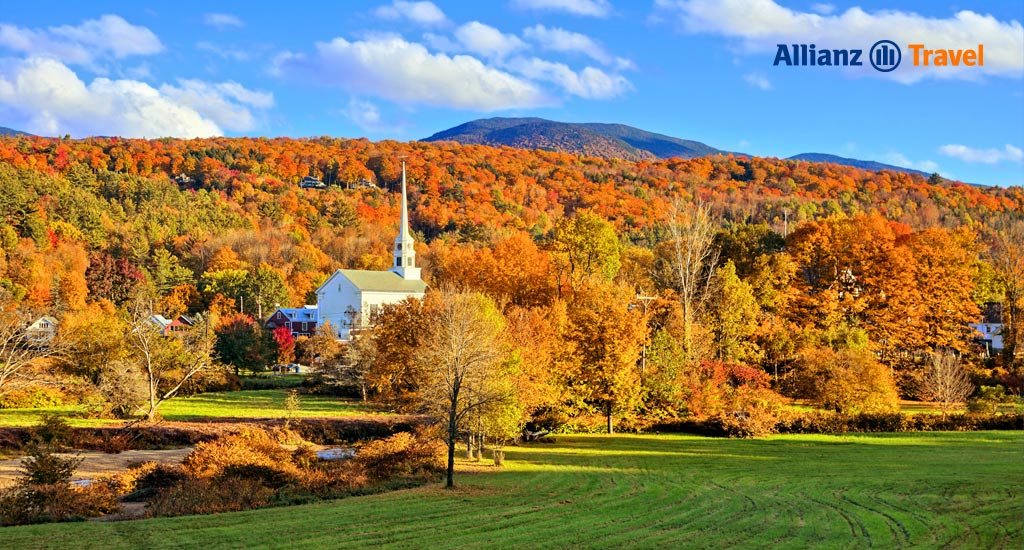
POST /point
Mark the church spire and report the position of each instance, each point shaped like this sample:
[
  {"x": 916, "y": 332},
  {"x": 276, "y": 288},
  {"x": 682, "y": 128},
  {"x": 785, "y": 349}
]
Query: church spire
[{"x": 405, "y": 251}]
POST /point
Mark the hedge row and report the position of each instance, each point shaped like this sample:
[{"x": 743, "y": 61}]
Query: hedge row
[
  {"x": 834, "y": 423},
  {"x": 115, "y": 439}
]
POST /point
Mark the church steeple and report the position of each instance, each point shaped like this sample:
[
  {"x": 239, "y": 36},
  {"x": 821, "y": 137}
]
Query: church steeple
[{"x": 405, "y": 251}]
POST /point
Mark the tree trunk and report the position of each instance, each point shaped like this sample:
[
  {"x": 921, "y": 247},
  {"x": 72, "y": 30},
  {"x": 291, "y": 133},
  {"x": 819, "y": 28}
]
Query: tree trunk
[
  {"x": 452, "y": 434},
  {"x": 499, "y": 457},
  {"x": 151, "y": 415},
  {"x": 608, "y": 412},
  {"x": 469, "y": 447}
]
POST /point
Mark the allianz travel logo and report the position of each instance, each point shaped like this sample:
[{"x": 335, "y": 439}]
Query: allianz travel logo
[{"x": 885, "y": 56}]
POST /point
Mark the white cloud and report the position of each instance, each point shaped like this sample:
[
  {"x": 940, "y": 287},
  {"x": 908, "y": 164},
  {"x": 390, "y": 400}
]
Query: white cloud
[
  {"x": 110, "y": 36},
  {"x": 986, "y": 156},
  {"x": 590, "y": 83},
  {"x": 43, "y": 96},
  {"x": 823, "y": 8},
  {"x": 367, "y": 116},
  {"x": 561, "y": 40},
  {"x": 406, "y": 72},
  {"x": 227, "y": 103},
  {"x": 760, "y": 25},
  {"x": 424, "y": 13},
  {"x": 899, "y": 159},
  {"x": 757, "y": 81},
  {"x": 592, "y": 8},
  {"x": 476, "y": 37},
  {"x": 222, "y": 20},
  {"x": 233, "y": 54}
]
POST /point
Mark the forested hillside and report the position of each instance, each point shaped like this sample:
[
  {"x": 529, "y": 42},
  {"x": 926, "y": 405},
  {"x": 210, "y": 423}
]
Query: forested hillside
[
  {"x": 579, "y": 138},
  {"x": 804, "y": 256}
]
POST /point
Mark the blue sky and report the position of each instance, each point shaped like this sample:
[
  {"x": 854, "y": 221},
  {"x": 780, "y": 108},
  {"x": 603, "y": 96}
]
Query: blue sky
[{"x": 394, "y": 69}]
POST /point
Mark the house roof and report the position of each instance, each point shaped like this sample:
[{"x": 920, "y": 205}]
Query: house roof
[
  {"x": 159, "y": 320},
  {"x": 42, "y": 322},
  {"x": 305, "y": 313},
  {"x": 379, "y": 281}
]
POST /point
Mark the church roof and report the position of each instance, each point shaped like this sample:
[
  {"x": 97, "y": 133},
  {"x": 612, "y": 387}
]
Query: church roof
[{"x": 382, "y": 281}]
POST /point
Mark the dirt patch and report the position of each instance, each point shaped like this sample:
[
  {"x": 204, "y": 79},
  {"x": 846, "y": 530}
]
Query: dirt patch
[{"x": 95, "y": 463}]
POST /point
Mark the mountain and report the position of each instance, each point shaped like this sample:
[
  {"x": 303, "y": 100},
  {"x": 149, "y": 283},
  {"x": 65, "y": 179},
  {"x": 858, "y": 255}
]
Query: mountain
[
  {"x": 591, "y": 139},
  {"x": 865, "y": 164},
  {"x": 5, "y": 131}
]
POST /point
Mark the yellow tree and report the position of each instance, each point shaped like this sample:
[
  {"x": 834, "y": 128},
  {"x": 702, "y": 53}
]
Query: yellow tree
[
  {"x": 607, "y": 334},
  {"x": 585, "y": 249},
  {"x": 460, "y": 358}
]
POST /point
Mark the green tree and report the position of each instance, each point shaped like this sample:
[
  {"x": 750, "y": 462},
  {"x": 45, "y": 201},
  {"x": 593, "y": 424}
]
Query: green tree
[
  {"x": 733, "y": 313},
  {"x": 264, "y": 290},
  {"x": 662, "y": 381},
  {"x": 241, "y": 343},
  {"x": 168, "y": 272}
]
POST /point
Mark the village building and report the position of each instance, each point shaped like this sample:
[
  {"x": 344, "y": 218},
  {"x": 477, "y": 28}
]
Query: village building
[
  {"x": 42, "y": 330},
  {"x": 168, "y": 327},
  {"x": 989, "y": 332},
  {"x": 349, "y": 297},
  {"x": 301, "y": 321}
]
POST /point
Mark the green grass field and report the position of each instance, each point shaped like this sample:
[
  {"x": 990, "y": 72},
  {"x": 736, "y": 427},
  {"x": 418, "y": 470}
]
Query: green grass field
[
  {"x": 921, "y": 490},
  {"x": 239, "y": 404}
]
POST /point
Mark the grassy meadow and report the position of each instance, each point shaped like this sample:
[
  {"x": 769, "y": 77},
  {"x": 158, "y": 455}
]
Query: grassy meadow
[
  {"x": 915, "y": 490},
  {"x": 246, "y": 404}
]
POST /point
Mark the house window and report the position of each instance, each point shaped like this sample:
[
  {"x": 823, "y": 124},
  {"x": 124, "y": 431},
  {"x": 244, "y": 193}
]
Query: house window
[
  {"x": 398, "y": 262},
  {"x": 303, "y": 326}
]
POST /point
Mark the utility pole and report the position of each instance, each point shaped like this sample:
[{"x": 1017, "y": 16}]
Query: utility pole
[{"x": 644, "y": 300}]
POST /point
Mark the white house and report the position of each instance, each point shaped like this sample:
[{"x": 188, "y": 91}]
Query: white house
[
  {"x": 42, "y": 330},
  {"x": 989, "y": 332},
  {"x": 348, "y": 298}
]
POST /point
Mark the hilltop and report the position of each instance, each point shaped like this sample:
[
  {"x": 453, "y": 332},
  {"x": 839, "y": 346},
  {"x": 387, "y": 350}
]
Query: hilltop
[
  {"x": 856, "y": 163},
  {"x": 589, "y": 139},
  {"x": 610, "y": 141}
]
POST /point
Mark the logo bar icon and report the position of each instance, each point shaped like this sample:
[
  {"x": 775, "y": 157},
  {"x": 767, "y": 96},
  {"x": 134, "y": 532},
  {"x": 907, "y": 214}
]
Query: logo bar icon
[{"x": 885, "y": 56}]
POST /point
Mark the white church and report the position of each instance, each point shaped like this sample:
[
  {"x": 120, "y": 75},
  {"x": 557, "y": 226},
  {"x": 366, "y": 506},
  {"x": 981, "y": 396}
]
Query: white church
[{"x": 348, "y": 298}]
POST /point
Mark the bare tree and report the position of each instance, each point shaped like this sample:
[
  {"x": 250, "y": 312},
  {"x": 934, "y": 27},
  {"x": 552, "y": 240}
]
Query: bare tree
[
  {"x": 168, "y": 361},
  {"x": 693, "y": 235},
  {"x": 23, "y": 353},
  {"x": 946, "y": 382},
  {"x": 460, "y": 356}
]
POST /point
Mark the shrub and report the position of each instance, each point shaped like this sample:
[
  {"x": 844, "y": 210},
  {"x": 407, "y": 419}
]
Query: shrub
[
  {"x": 989, "y": 399},
  {"x": 254, "y": 446},
  {"x": 401, "y": 455},
  {"x": 145, "y": 480},
  {"x": 33, "y": 398},
  {"x": 24, "y": 504},
  {"x": 210, "y": 496},
  {"x": 42, "y": 467},
  {"x": 268, "y": 476},
  {"x": 850, "y": 381},
  {"x": 44, "y": 493},
  {"x": 52, "y": 429}
]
